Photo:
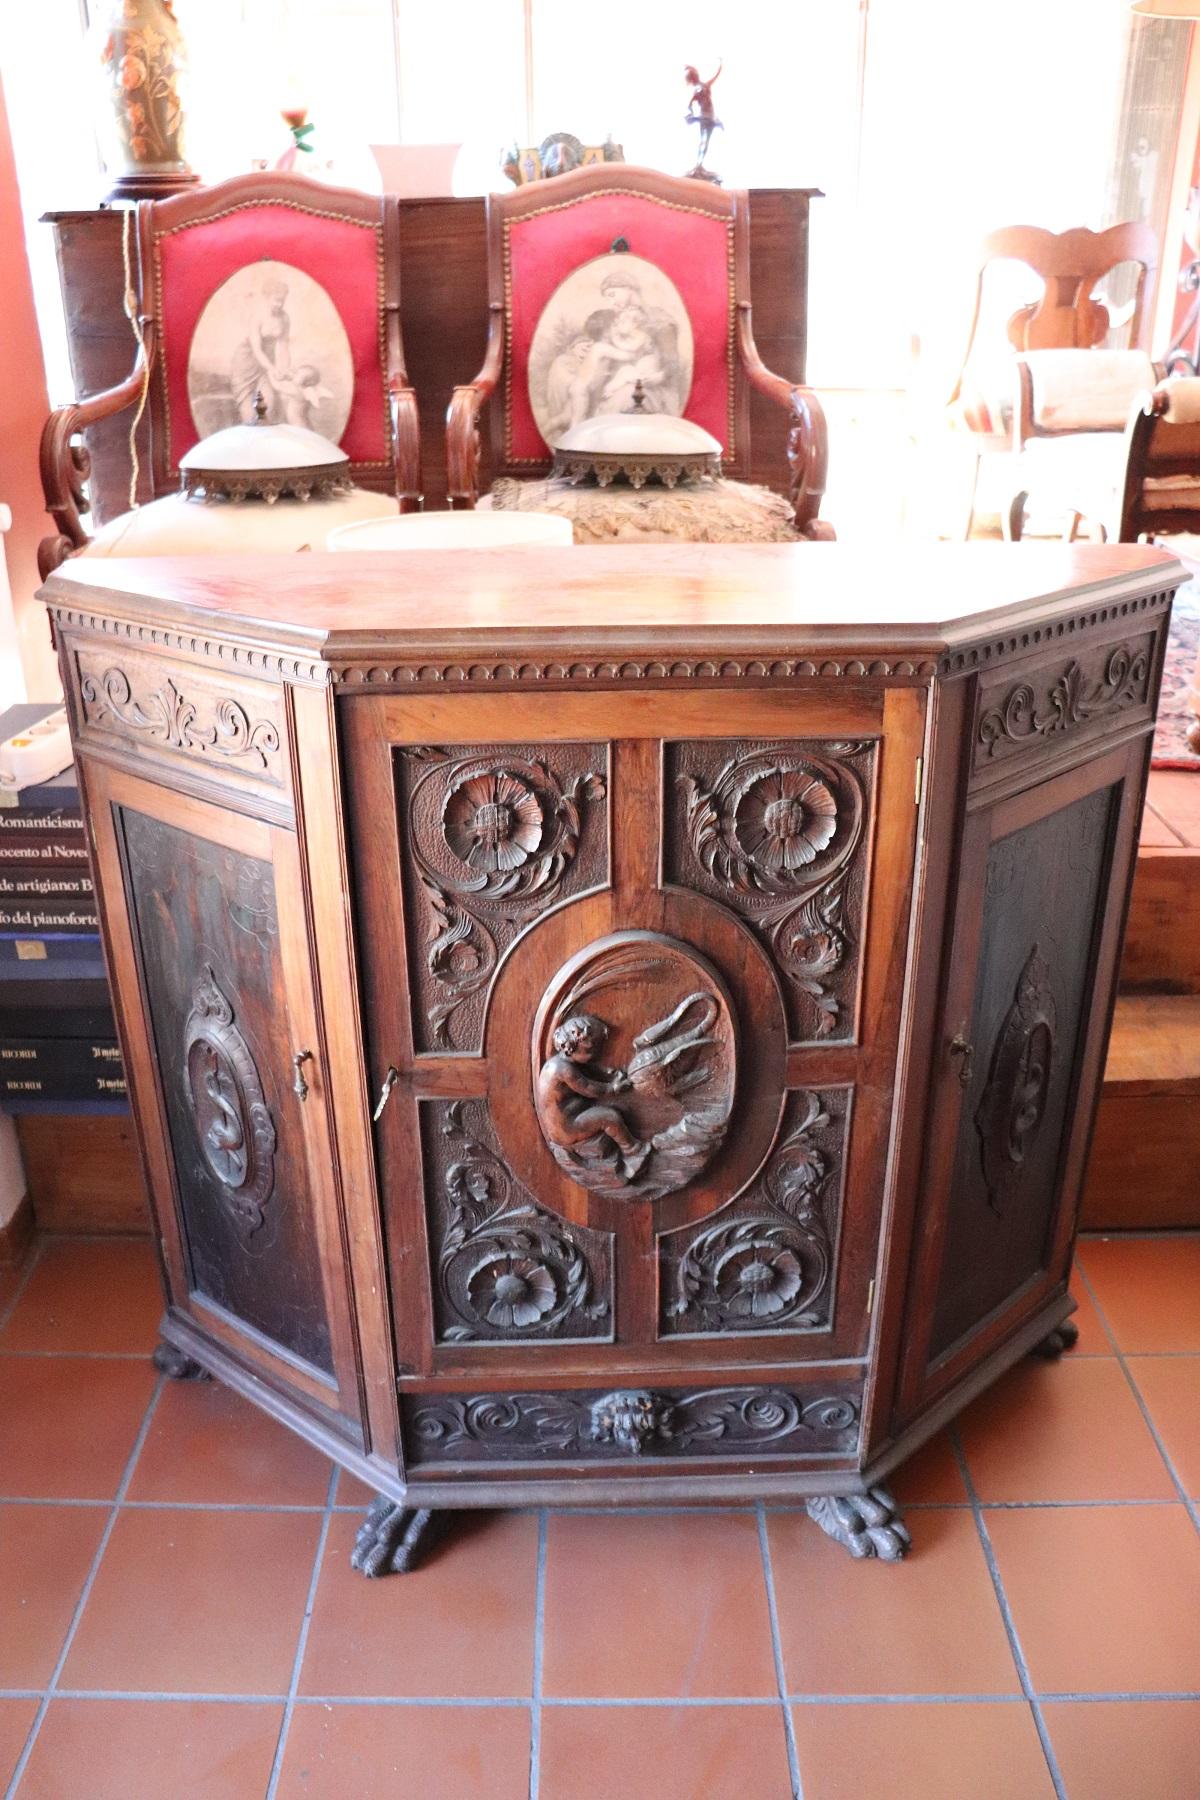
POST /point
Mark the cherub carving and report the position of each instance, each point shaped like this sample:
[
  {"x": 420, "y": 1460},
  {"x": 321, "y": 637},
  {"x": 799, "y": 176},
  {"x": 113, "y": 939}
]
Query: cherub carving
[{"x": 572, "y": 1089}]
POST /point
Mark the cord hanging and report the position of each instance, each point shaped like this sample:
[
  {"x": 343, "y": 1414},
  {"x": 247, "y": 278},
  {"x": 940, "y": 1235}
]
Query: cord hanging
[{"x": 133, "y": 315}]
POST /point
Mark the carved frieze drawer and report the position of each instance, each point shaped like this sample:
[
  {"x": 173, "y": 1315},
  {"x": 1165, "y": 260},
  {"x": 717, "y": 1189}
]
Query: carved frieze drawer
[
  {"x": 1097, "y": 689},
  {"x": 606, "y": 1425},
  {"x": 225, "y": 726}
]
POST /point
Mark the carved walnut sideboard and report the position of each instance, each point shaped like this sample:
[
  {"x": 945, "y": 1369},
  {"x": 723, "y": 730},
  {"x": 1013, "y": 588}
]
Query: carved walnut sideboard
[{"x": 615, "y": 1025}]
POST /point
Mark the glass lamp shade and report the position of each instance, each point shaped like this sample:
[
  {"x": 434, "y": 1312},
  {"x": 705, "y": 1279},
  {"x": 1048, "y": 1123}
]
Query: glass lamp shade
[
  {"x": 260, "y": 462},
  {"x": 639, "y": 447}
]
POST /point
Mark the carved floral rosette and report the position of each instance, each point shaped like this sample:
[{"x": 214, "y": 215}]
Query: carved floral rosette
[
  {"x": 493, "y": 834},
  {"x": 225, "y": 1097},
  {"x": 504, "y": 1268},
  {"x": 776, "y": 831},
  {"x": 599, "y": 1426},
  {"x": 767, "y": 1263}
]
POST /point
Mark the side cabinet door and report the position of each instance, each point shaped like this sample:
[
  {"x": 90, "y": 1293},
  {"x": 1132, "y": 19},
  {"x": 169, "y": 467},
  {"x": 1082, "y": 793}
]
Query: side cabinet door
[
  {"x": 1032, "y": 965},
  {"x": 637, "y": 965},
  {"x": 210, "y": 958}
]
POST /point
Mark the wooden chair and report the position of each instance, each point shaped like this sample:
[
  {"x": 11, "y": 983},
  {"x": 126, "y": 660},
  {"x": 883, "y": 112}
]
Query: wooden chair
[
  {"x": 696, "y": 236},
  {"x": 196, "y": 264},
  {"x": 1160, "y": 490},
  {"x": 1002, "y": 416}
]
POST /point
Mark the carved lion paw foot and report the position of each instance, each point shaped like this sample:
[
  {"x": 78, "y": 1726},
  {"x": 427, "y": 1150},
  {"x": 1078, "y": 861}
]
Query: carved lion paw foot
[
  {"x": 1063, "y": 1337},
  {"x": 868, "y": 1524},
  {"x": 392, "y": 1538},
  {"x": 169, "y": 1360}
]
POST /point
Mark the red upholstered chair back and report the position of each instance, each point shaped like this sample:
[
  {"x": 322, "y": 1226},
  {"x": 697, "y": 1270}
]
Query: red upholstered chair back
[
  {"x": 696, "y": 238},
  {"x": 279, "y": 283}
]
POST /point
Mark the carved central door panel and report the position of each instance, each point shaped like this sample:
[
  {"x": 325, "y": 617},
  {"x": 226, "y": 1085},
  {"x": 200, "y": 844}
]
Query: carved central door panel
[{"x": 633, "y": 983}]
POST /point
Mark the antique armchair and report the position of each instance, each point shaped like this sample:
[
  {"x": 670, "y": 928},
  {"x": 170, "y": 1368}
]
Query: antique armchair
[
  {"x": 609, "y": 274},
  {"x": 268, "y": 283},
  {"x": 1053, "y": 378}
]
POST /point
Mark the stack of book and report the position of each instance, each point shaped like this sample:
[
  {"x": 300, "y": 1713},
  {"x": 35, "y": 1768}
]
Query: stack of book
[{"x": 58, "y": 1048}]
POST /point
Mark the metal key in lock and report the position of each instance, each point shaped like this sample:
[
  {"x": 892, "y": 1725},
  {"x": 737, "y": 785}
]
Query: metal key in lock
[{"x": 385, "y": 1092}]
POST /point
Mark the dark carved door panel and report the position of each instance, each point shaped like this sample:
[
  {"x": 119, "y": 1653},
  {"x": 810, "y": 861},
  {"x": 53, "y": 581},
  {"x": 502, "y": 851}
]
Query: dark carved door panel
[
  {"x": 211, "y": 920},
  {"x": 1035, "y": 937},
  {"x": 633, "y": 981}
]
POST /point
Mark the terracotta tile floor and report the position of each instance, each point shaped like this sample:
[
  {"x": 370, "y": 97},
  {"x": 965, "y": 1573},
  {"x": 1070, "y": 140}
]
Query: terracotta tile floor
[{"x": 178, "y": 1620}]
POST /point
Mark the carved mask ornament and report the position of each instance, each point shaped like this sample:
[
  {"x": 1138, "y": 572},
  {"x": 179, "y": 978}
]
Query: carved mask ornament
[{"x": 635, "y": 1065}]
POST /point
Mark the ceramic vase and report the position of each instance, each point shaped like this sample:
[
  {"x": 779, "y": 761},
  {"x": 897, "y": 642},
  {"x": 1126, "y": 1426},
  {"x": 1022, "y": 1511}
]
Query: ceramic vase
[{"x": 141, "y": 53}]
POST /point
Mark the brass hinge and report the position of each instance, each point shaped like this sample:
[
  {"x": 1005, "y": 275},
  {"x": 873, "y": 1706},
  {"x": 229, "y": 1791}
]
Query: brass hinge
[
  {"x": 871, "y": 1297},
  {"x": 919, "y": 783}
]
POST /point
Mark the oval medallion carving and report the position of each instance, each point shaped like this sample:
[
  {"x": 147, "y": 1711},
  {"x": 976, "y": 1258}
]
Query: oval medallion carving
[
  {"x": 635, "y": 1065},
  {"x": 233, "y": 1121},
  {"x": 1013, "y": 1103}
]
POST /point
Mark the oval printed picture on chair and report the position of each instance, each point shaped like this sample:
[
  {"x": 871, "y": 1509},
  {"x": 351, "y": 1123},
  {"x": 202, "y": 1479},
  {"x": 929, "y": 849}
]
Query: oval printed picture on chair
[
  {"x": 270, "y": 329},
  {"x": 611, "y": 323}
]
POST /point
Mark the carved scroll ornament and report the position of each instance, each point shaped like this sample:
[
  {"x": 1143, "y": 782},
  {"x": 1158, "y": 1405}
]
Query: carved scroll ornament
[
  {"x": 225, "y": 1096},
  {"x": 1013, "y": 1103},
  {"x": 1070, "y": 701},
  {"x": 655, "y": 1120},
  {"x": 778, "y": 830},
  {"x": 167, "y": 716},
  {"x": 631, "y": 1422}
]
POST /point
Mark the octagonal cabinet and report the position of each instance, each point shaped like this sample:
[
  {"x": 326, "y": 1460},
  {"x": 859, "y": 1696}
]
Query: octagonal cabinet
[{"x": 608, "y": 1024}]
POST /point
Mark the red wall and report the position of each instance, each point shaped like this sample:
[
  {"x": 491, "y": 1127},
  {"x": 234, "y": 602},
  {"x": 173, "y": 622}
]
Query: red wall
[{"x": 23, "y": 410}]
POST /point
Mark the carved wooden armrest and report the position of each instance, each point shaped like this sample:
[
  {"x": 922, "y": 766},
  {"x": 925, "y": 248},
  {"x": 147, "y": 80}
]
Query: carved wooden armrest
[
  {"x": 462, "y": 419},
  {"x": 808, "y": 435},
  {"x": 66, "y": 465},
  {"x": 406, "y": 443}
]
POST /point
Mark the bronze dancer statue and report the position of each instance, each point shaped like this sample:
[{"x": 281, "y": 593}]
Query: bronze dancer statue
[{"x": 701, "y": 112}]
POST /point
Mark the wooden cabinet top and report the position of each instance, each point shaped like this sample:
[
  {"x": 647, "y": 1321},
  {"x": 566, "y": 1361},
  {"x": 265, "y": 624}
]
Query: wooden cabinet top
[{"x": 914, "y": 611}]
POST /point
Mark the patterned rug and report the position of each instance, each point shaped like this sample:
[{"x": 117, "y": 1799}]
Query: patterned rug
[{"x": 1175, "y": 714}]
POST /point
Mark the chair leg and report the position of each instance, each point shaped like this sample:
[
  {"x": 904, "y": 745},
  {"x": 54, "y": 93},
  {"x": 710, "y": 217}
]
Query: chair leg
[
  {"x": 971, "y": 498},
  {"x": 1071, "y": 528}
]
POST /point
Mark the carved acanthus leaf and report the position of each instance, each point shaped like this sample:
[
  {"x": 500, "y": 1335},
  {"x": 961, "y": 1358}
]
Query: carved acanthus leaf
[
  {"x": 630, "y": 1422},
  {"x": 166, "y": 715},
  {"x": 490, "y": 837},
  {"x": 767, "y": 1265},
  {"x": 1070, "y": 701},
  {"x": 776, "y": 832},
  {"x": 505, "y": 1267}
]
